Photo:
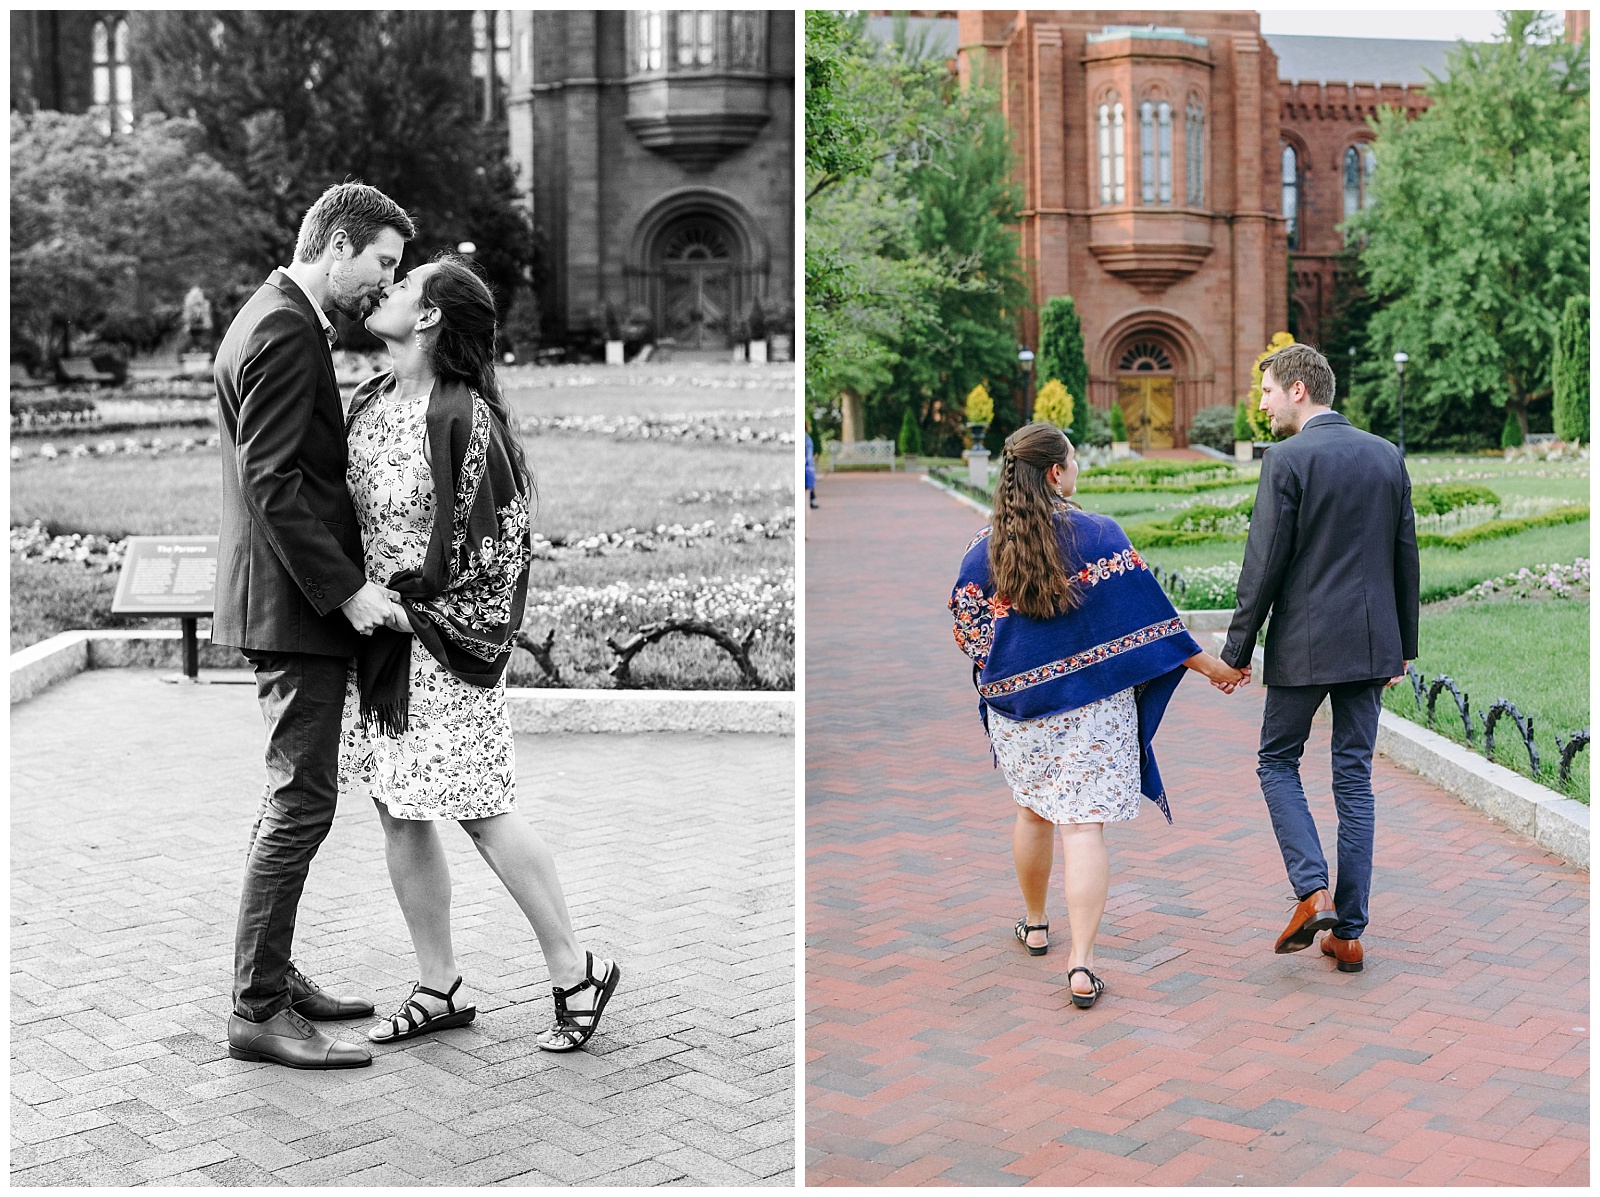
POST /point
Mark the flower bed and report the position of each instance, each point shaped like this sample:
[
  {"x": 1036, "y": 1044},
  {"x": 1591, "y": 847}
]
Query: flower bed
[
  {"x": 732, "y": 427},
  {"x": 1541, "y": 581},
  {"x": 739, "y": 529}
]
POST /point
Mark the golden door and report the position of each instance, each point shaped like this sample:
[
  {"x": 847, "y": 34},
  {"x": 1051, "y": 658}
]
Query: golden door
[{"x": 1146, "y": 402}]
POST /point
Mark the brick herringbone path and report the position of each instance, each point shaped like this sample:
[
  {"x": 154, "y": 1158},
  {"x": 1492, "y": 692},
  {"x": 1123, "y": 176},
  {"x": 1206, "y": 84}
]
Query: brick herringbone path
[
  {"x": 938, "y": 1051},
  {"x": 131, "y": 802}
]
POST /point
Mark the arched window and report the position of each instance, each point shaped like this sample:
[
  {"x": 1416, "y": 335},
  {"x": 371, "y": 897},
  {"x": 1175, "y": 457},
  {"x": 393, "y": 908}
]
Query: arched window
[
  {"x": 1194, "y": 153},
  {"x": 101, "y": 46},
  {"x": 1164, "y": 151},
  {"x": 1145, "y": 357},
  {"x": 1359, "y": 164},
  {"x": 648, "y": 28},
  {"x": 1147, "y": 152},
  {"x": 1113, "y": 176},
  {"x": 122, "y": 77},
  {"x": 1369, "y": 164},
  {"x": 1291, "y": 195}
]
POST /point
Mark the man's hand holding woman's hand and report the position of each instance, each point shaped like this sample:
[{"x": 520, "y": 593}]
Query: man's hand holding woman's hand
[
  {"x": 396, "y": 620},
  {"x": 370, "y": 608},
  {"x": 1220, "y": 674}
]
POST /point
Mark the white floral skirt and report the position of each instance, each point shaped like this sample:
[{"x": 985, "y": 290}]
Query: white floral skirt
[
  {"x": 1081, "y": 766},
  {"x": 457, "y": 759}
]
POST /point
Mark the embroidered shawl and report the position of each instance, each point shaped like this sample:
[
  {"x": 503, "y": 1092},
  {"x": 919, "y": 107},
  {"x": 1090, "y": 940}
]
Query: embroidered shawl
[
  {"x": 1124, "y": 634},
  {"x": 465, "y": 604}
]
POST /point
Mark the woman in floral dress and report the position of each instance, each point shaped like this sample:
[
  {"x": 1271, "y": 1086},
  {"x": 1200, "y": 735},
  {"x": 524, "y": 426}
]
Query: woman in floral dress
[
  {"x": 442, "y": 491},
  {"x": 1076, "y": 651}
]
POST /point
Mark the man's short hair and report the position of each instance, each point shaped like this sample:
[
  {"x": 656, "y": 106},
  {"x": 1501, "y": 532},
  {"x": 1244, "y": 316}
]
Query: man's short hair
[
  {"x": 1301, "y": 363},
  {"x": 361, "y": 211}
]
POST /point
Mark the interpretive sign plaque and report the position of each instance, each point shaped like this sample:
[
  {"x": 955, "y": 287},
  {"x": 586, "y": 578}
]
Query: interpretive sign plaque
[{"x": 168, "y": 575}]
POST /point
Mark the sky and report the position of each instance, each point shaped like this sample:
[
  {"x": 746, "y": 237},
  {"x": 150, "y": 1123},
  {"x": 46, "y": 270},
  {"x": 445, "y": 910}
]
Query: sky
[{"x": 1426, "y": 24}]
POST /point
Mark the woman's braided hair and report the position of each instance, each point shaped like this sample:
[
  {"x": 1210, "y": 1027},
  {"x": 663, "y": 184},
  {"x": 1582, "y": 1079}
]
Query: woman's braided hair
[{"x": 1025, "y": 558}]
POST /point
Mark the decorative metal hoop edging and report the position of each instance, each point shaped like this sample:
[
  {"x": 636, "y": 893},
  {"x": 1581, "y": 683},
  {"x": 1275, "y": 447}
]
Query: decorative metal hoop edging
[
  {"x": 1570, "y": 749},
  {"x": 1504, "y": 706},
  {"x": 739, "y": 650},
  {"x": 542, "y": 654},
  {"x": 1442, "y": 682}
]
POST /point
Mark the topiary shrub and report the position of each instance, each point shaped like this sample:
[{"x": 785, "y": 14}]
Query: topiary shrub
[
  {"x": 1570, "y": 374},
  {"x": 1213, "y": 427},
  {"x": 980, "y": 408},
  {"x": 1061, "y": 345},
  {"x": 910, "y": 442},
  {"x": 1119, "y": 426},
  {"x": 1242, "y": 431},
  {"x": 1511, "y": 432},
  {"x": 1053, "y": 405},
  {"x": 1436, "y": 498},
  {"x": 1091, "y": 427}
]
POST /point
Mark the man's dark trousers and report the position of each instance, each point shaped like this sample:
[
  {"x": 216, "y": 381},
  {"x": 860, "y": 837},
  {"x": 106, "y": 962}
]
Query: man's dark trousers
[
  {"x": 1284, "y": 727},
  {"x": 302, "y": 700}
]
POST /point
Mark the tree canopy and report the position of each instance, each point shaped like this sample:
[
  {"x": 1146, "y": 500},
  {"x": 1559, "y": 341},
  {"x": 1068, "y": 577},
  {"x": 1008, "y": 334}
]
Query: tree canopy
[{"x": 1478, "y": 235}]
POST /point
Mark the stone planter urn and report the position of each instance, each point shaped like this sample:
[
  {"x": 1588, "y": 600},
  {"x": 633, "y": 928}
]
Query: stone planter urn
[
  {"x": 758, "y": 352},
  {"x": 614, "y": 353},
  {"x": 782, "y": 347},
  {"x": 1119, "y": 448},
  {"x": 1244, "y": 451}
]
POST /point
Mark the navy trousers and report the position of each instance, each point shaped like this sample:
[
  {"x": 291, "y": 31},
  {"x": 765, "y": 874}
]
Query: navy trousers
[
  {"x": 302, "y": 701},
  {"x": 1284, "y": 728}
]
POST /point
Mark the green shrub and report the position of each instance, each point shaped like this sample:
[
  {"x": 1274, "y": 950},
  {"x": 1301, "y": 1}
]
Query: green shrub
[
  {"x": 1436, "y": 498},
  {"x": 1511, "y": 431},
  {"x": 1241, "y": 422},
  {"x": 910, "y": 435},
  {"x": 1495, "y": 529},
  {"x": 1570, "y": 373},
  {"x": 1061, "y": 348},
  {"x": 1119, "y": 426},
  {"x": 1090, "y": 426},
  {"x": 1054, "y": 405},
  {"x": 1213, "y": 427}
]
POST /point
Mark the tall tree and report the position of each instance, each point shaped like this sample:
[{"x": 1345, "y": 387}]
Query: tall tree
[
  {"x": 1572, "y": 371},
  {"x": 295, "y": 100},
  {"x": 1061, "y": 349},
  {"x": 1479, "y": 230}
]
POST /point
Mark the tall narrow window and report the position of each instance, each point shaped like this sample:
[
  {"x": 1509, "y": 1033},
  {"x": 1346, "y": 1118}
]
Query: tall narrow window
[
  {"x": 1105, "y": 153},
  {"x": 123, "y": 77},
  {"x": 1119, "y": 170},
  {"x": 1194, "y": 154},
  {"x": 1164, "y": 151},
  {"x": 1352, "y": 182},
  {"x": 650, "y": 39},
  {"x": 744, "y": 38},
  {"x": 697, "y": 38},
  {"x": 1291, "y": 196},
  {"x": 1369, "y": 164},
  {"x": 1147, "y": 152},
  {"x": 101, "y": 46}
]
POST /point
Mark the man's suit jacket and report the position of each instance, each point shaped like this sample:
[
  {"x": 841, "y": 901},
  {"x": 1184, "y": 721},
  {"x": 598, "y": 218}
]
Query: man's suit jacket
[
  {"x": 290, "y": 547},
  {"x": 1332, "y": 555}
]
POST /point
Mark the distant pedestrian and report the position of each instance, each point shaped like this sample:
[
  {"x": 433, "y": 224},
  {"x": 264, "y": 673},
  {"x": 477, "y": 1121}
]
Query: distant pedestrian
[
  {"x": 1332, "y": 555},
  {"x": 443, "y": 499},
  {"x": 1076, "y": 651},
  {"x": 292, "y": 596},
  {"x": 811, "y": 466}
]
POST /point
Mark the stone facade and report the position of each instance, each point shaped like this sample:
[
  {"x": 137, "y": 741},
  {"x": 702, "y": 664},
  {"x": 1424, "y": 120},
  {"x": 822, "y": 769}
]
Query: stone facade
[{"x": 657, "y": 152}]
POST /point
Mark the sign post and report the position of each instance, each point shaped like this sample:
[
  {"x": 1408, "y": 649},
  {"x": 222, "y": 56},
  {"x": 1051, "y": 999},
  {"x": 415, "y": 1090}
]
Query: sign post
[{"x": 171, "y": 576}]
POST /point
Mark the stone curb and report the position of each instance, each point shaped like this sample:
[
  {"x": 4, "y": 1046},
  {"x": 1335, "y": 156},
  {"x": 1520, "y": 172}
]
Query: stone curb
[
  {"x": 40, "y": 666},
  {"x": 1553, "y": 821}
]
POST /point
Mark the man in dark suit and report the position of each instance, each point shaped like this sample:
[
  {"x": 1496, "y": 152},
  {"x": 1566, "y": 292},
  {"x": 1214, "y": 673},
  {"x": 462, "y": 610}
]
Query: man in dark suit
[
  {"x": 291, "y": 593},
  {"x": 1332, "y": 555}
]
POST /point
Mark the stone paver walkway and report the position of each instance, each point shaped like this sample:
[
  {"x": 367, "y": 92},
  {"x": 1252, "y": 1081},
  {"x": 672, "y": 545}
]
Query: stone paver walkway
[
  {"x": 131, "y": 802},
  {"x": 938, "y": 1051}
]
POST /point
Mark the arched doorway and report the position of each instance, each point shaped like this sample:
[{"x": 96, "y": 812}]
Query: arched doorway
[
  {"x": 1146, "y": 392},
  {"x": 697, "y": 265}
]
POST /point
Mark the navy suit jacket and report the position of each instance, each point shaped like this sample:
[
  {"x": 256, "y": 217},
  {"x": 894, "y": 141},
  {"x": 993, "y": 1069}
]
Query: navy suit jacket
[{"x": 289, "y": 548}]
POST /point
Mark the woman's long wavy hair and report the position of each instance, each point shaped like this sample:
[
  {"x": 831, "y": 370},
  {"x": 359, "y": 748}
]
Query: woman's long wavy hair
[
  {"x": 1025, "y": 559},
  {"x": 465, "y": 347}
]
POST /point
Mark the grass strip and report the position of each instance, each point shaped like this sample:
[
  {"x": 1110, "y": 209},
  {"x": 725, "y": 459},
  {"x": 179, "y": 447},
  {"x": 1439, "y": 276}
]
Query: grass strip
[{"x": 1499, "y": 529}]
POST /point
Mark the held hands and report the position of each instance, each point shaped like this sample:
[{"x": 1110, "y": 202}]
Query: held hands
[
  {"x": 370, "y": 608},
  {"x": 1220, "y": 674},
  {"x": 396, "y": 620}
]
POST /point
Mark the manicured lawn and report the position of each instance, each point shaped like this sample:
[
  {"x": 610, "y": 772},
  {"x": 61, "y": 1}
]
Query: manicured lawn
[
  {"x": 1534, "y": 653},
  {"x": 587, "y": 483}
]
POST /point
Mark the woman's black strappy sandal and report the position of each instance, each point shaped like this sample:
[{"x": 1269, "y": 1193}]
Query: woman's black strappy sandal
[
  {"x": 1022, "y": 928},
  {"x": 574, "y": 1027},
  {"x": 1085, "y": 1000},
  {"x": 420, "y": 1021}
]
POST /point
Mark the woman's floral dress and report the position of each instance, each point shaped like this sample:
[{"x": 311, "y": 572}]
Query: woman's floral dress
[
  {"x": 457, "y": 761},
  {"x": 1080, "y": 766}
]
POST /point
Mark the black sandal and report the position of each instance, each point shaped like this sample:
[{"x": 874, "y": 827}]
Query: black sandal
[
  {"x": 1084, "y": 1000},
  {"x": 450, "y": 1017},
  {"x": 575, "y": 1026},
  {"x": 1022, "y": 928}
]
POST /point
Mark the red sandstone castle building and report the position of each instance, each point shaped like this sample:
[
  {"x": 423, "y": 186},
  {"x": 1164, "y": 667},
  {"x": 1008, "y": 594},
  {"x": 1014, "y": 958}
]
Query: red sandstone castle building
[{"x": 1185, "y": 177}]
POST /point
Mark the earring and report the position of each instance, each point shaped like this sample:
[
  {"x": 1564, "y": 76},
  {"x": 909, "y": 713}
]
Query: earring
[{"x": 419, "y": 339}]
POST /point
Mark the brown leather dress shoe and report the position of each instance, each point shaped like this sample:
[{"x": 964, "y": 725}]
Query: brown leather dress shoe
[
  {"x": 1313, "y": 914},
  {"x": 1346, "y": 951},
  {"x": 290, "y": 1040},
  {"x": 309, "y": 1000}
]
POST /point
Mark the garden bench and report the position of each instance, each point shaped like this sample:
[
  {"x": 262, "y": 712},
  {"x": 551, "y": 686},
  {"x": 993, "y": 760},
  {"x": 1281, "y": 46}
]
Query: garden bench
[
  {"x": 81, "y": 369},
  {"x": 21, "y": 380},
  {"x": 861, "y": 453}
]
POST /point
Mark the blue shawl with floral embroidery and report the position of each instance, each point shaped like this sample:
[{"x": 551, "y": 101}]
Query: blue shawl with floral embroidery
[{"x": 1124, "y": 634}]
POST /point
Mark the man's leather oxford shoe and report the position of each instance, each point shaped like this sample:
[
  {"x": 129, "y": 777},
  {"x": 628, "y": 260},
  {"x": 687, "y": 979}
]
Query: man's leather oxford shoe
[
  {"x": 1313, "y": 914},
  {"x": 1346, "y": 951},
  {"x": 290, "y": 1040},
  {"x": 309, "y": 1000}
]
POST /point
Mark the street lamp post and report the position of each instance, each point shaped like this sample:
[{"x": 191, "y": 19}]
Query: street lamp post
[
  {"x": 1025, "y": 356},
  {"x": 1400, "y": 360}
]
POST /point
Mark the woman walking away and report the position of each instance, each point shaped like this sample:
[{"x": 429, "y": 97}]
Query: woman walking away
[
  {"x": 442, "y": 493},
  {"x": 1076, "y": 651}
]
